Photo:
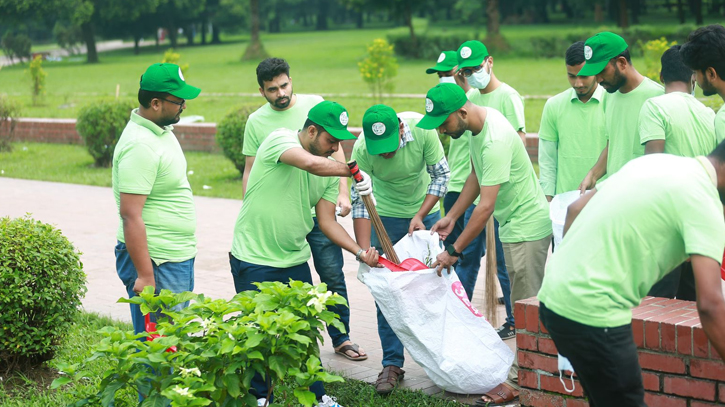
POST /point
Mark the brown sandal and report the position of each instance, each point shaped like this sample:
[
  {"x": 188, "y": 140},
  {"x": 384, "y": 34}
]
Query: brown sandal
[
  {"x": 388, "y": 379},
  {"x": 355, "y": 348},
  {"x": 501, "y": 395}
]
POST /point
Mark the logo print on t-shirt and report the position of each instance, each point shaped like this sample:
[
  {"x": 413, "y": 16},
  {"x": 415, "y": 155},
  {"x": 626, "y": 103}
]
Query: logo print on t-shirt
[
  {"x": 343, "y": 118},
  {"x": 181, "y": 75},
  {"x": 465, "y": 52},
  {"x": 441, "y": 57},
  {"x": 428, "y": 105},
  {"x": 588, "y": 52},
  {"x": 378, "y": 129}
]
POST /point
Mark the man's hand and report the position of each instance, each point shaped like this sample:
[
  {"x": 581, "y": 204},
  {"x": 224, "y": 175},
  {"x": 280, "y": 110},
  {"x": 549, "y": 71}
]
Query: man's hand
[
  {"x": 589, "y": 182},
  {"x": 415, "y": 224},
  {"x": 444, "y": 261},
  {"x": 444, "y": 227},
  {"x": 549, "y": 198},
  {"x": 142, "y": 282},
  {"x": 370, "y": 257},
  {"x": 365, "y": 187},
  {"x": 343, "y": 202}
]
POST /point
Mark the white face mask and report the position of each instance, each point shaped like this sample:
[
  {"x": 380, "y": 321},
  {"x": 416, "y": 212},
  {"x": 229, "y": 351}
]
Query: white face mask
[
  {"x": 480, "y": 79},
  {"x": 564, "y": 364},
  {"x": 447, "y": 79}
]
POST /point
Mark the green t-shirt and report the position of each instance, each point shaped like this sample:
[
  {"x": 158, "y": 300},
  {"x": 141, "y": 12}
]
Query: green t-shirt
[
  {"x": 401, "y": 182},
  {"x": 506, "y": 100},
  {"x": 499, "y": 158},
  {"x": 148, "y": 160},
  {"x": 720, "y": 124},
  {"x": 621, "y": 114},
  {"x": 459, "y": 161},
  {"x": 275, "y": 218},
  {"x": 644, "y": 221},
  {"x": 578, "y": 130},
  {"x": 686, "y": 125}
]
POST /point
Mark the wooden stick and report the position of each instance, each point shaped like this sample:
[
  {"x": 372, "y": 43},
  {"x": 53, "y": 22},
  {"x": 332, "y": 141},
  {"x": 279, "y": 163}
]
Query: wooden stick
[
  {"x": 380, "y": 231},
  {"x": 491, "y": 294}
]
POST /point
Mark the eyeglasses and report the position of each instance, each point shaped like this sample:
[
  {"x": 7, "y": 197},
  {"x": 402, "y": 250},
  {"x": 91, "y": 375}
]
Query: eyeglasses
[
  {"x": 183, "y": 101},
  {"x": 467, "y": 72}
]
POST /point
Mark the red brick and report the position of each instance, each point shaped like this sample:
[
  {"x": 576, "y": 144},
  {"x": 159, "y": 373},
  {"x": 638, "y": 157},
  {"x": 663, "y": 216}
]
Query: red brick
[
  {"x": 535, "y": 398},
  {"x": 532, "y": 318},
  {"x": 536, "y": 361},
  {"x": 668, "y": 338},
  {"x": 525, "y": 341},
  {"x": 721, "y": 392},
  {"x": 695, "y": 403},
  {"x": 651, "y": 381},
  {"x": 529, "y": 379},
  {"x": 684, "y": 340},
  {"x": 660, "y": 400},
  {"x": 547, "y": 346},
  {"x": 651, "y": 300},
  {"x": 520, "y": 315},
  {"x": 542, "y": 328},
  {"x": 693, "y": 388},
  {"x": 652, "y": 335},
  {"x": 707, "y": 369},
  {"x": 638, "y": 332},
  {"x": 552, "y": 383},
  {"x": 661, "y": 363},
  {"x": 699, "y": 343},
  {"x": 714, "y": 355},
  {"x": 576, "y": 403}
]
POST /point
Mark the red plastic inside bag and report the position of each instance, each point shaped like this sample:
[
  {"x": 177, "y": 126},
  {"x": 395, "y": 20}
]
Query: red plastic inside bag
[
  {"x": 722, "y": 267},
  {"x": 406, "y": 265},
  {"x": 151, "y": 329}
]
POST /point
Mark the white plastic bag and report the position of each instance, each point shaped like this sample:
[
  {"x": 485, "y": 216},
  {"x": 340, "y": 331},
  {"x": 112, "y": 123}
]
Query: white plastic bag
[
  {"x": 557, "y": 212},
  {"x": 456, "y": 346}
]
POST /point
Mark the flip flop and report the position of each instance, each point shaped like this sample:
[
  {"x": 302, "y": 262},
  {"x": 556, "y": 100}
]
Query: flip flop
[
  {"x": 355, "y": 348},
  {"x": 501, "y": 395}
]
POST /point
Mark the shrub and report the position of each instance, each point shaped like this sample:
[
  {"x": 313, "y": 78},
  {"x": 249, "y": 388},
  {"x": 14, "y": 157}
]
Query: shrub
[
  {"x": 427, "y": 46},
  {"x": 101, "y": 124},
  {"x": 41, "y": 286},
  {"x": 230, "y": 135},
  {"x": 171, "y": 57},
  {"x": 16, "y": 46},
  {"x": 9, "y": 112},
  {"x": 379, "y": 68},
  {"x": 652, "y": 52},
  {"x": 37, "y": 78},
  {"x": 208, "y": 353},
  {"x": 69, "y": 37}
]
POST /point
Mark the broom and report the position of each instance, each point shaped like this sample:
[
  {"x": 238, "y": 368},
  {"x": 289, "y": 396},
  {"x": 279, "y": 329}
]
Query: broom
[
  {"x": 385, "y": 242},
  {"x": 490, "y": 302}
]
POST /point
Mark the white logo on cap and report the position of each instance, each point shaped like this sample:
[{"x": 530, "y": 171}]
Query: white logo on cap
[
  {"x": 441, "y": 57},
  {"x": 343, "y": 118},
  {"x": 588, "y": 52},
  {"x": 465, "y": 52},
  {"x": 181, "y": 75},
  {"x": 378, "y": 129},
  {"x": 428, "y": 105}
]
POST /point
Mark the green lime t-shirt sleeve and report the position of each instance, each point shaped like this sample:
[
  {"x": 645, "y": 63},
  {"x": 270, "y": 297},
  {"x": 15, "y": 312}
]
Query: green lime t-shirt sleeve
[
  {"x": 137, "y": 169},
  {"x": 360, "y": 156},
  {"x": 513, "y": 108},
  {"x": 251, "y": 139},
  {"x": 332, "y": 189},
  {"x": 548, "y": 158},
  {"x": 496, "y": 168},
  {"x": 651, "y": 124},
  {"x": 433, "y": 148},
  {"x": 720, "y": 125},
  {"x": 547, "y": 128},
  {"x": 703, "y": 230},
  {"x": 277, "y": 146}
]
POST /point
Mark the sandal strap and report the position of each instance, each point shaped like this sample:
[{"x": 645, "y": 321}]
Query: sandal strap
[{"x": 390, "y": 374}]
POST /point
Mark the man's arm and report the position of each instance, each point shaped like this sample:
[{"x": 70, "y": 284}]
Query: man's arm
[
  {"x": 575, "y": 209},
  {"x": 343, "y": 198},
  {"x": 548, "y": 161},
  {"x": 248, "y": 163},
  {"x": 440, "y": 174},
  {"x": 710, "y": 303},
  {"x": 597, "y": 172},
  {"x": 654, "y": 147},
  {"x": 134, "y": 233},
  {"x": 522, "y": 135},
  {"x": 320, "y": 166},
  {"x": 336, "y": 233}
]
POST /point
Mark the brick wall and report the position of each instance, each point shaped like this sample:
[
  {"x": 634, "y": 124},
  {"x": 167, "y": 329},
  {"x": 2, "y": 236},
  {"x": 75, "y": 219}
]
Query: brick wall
[
  {"x": 192, "y": 137},
  {"x": 679, "y": 366}
]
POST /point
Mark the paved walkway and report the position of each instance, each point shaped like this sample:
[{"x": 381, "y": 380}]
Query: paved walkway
[{"x": 87, "y": 216}]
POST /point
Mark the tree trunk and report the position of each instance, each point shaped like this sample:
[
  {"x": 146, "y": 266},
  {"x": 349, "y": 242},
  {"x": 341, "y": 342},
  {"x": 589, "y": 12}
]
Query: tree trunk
[
  {"x": 569, "y": 12},
  {"x": 696, "y": 7},
  {"x": 323, "y": 7},
  {"x": 493, "y": 28},
  {"x": 408, "y": 15},
  {"x": 215, "y": 35},
  {"x": 359, "y": 19},
  {"x": 598, "y": 13},
  {"x": 136, "y": 41},
  {"x": 623, "y": 17},
  {"x": 635, "y": 10},
  {"x": 204, "y": 27},
  {"x": 173, "y": 33},
  {"x": 90, "y": 39},
  {"x": 681, "y": 11},
  {"x": 541, "y": 12},
  {"x": 255, "y": 50},
  {"x": 189, "y": 31}
]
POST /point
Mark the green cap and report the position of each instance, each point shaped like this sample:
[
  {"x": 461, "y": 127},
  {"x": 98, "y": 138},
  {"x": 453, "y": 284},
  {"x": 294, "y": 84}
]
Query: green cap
[
  {"x": 440, "y": 102},
  {"x": 599, "y": 50},
  {"x": 167, "y": 78},
  {"x": 380, "y": 127},
  {"x": 447, "y": 60},
  {"x": 471, "y": 54},
  {"x": 333, "y": 118}
]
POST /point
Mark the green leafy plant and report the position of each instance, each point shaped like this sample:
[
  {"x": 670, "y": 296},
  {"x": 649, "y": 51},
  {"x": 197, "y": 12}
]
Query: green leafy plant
[
  {"x": 652, "y": 52},
  {"x": 219, "y": 346},
  {"x": 16, "y": 46},
  {"x": 101, "y": 124},
  {"x": 37, "y": 78},
  {"x": 41, "y": 286},
  {"x": 379, "y": 68},
  {"x": 230, "y": 135},
  {"x": 171, "y": 57},
  {"x": 69, "y": 37},
  {"x": 9, "y": 112}
]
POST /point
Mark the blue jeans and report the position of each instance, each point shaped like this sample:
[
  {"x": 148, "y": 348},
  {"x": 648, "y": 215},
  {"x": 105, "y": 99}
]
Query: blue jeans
[
  {"x": 244, "y": 275},
  {"x": 503, "y": 278},
  {"x": 177, "y": 277},
  {"x": 397, "y": 228},
  {"x": 327, "y": 257}
]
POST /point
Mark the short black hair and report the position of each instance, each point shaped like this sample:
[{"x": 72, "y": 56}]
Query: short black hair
[
  {"x": 624, "y": 54},
  {"x": 575, "y": 54},
  {"x": 673, "y": 69},
  {"x": 145, "y": 97},
  {"x": 309, "y": 123},
  {"x": 271, "y": 68},
  {"x": 719, "y": 152},
  {"x": 705, "y": 48}
]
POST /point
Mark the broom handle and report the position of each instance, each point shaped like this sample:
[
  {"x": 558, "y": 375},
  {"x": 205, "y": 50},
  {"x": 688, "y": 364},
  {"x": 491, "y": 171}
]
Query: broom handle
[{"x": 385, "y": 242}]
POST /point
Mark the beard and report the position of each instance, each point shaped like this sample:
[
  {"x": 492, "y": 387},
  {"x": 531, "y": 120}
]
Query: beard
[
  {"x": 707, "y": 88},
  {"x": 166, "y": 121},
  {"x": 315, "y": 148},
  {"x": 617, "y": 82},
  {"x": 460, "y": 129},
  {"x": 282, "y": 102}
]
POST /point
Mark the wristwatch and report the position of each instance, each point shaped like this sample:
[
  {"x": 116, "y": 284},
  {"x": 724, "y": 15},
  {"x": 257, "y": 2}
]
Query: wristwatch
[
  {"x": 452, "y": 251},
  {"x": 359, "y": 254}
]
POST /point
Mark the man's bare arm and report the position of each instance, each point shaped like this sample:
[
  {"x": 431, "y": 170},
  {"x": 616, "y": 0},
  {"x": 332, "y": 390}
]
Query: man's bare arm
[
  {"x": 320, "y": 166},
  {"x": 710, "y": 303},
  {"x": 248, "y": 163},
  {"x": 134, "y": 233}
]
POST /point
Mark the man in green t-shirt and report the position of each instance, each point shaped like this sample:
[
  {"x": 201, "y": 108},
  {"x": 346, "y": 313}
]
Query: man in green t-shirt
[
  {"x": 446, "y": 68},
  {"x": 156, "y": 234},
  {"x": 286, "y": 109},
  {"x": 293, "y": 174},
  {"x": 571, "y": 135},
  {"x": 410, "y": 173},
  {"x": 704, "y": 52},
  {"x": 620, "y": 239},
  {"x": 607, "y": 57},
  {"x": 677, "y": 123},
  {"x": 504, "y": 179}
]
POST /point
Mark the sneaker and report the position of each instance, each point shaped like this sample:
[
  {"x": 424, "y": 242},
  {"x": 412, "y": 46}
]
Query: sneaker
[
  {"x": 328, "y": 401},
  {"x": 506, "y": 331},
  {"x": 261, "y": 402},
  {"x": 500, "y": 301}
]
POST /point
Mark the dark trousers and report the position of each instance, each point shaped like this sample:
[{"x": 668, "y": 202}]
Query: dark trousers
[
  {"x": 604, "y": 359},
  {"x": 679, "y": 283}
]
